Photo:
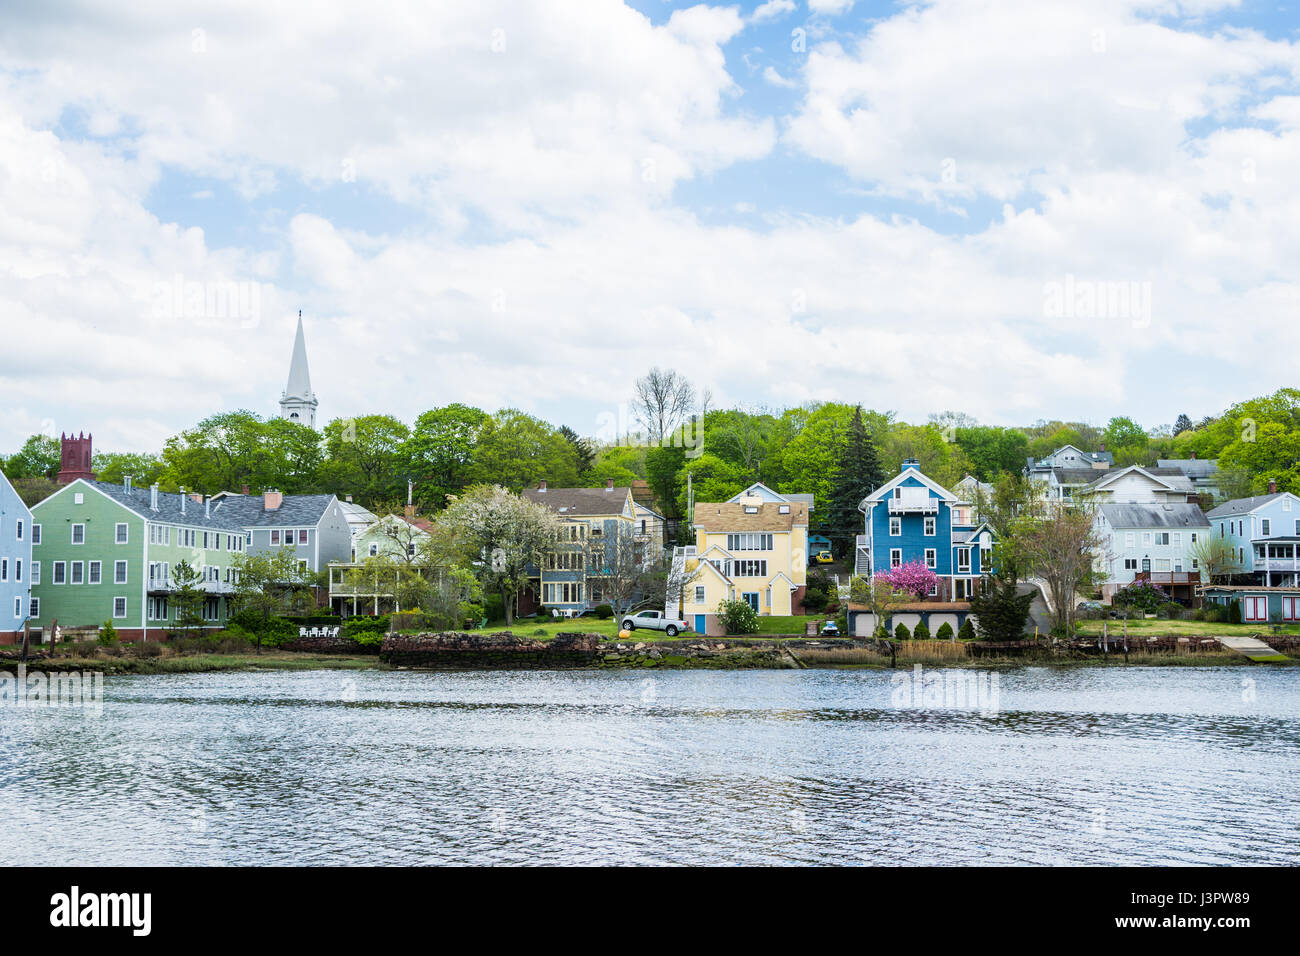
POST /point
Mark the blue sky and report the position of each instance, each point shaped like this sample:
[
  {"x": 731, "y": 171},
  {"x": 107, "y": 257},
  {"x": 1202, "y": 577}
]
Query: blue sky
[{"x": 529, "y": 205}]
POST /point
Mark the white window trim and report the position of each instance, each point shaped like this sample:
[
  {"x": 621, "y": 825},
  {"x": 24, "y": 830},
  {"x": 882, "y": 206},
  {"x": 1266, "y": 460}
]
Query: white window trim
[
  {"x": 72, "y": 535},
  {"x": 116, "y": 616},
  {"x": 122, "y": 526}
]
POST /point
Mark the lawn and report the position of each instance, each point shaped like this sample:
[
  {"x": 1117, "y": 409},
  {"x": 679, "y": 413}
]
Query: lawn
[
  {"x": 1155, "y": 627},
  {"x": 527, "y": 627}
]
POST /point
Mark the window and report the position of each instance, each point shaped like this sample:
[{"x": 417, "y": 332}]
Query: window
[
  {"x": 1264, "y": 526},
  {"x": 34, "y": 610},
  {"x": 699, "y": 594},
  {"x": 119, "y": 607},
  {"x": 36, "y": 533},
  {"x": 60, "y": 573},
  {"x": 36, "y": 572},
  {"x": 302, "y": 535},
  {"x": 94, "y": 572},
  {"x": 931, "y": 558},
  {"x": 374, "y": 549},
  {"x": 1254, "y": 609},
  {"x": 302, "y": 565},
  {"x": 750, "y": 568},
  {"x": 1162, "y": 537},
  {"x": 20, "y": 529},
  {"x": 1130, "y": 564},
  {"x": 156, "y": 609},
  {"x": 1130, "y": 539},
  {"x": 963, "y": 560},
  {"x": 749, "y": 542},
  {"x": 4, "y": 569},
  {"x": 895, "y": 526},
  {"x": 275, "y": 537},
  {"x": 1146, "y": 537},
  {"x": 929, "y": 525},
  {"x": 78, "y": 534},
  {"x": 18, "y": 569},
  {"x": 78, "y": 572},
  {"x": 120, "y": 532},
  {"x": 18, "y": 607},
  {"x": 895, "y": 557},
  {"x": 119, "y": 572},
  {"x": 1290, "y": 609},
  {"x": 78, "y": 498}
]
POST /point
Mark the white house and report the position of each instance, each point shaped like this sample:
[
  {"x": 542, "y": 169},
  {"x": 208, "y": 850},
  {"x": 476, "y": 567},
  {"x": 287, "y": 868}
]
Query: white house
[
  {"x": 1138, "y": 485},
  {"x": 1151, "y": 540}
]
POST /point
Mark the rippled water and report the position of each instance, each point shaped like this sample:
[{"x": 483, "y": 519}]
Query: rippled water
[{"x": 1146, "y": 766}]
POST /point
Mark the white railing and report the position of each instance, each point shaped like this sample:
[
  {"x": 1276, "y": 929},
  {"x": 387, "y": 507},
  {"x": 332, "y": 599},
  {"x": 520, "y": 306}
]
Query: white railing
[{"x": 913, "y": 506}]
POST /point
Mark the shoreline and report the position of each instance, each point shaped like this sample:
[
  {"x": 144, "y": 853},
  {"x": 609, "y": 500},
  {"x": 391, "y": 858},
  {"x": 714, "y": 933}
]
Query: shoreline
[{"x": 504, "y": 651}]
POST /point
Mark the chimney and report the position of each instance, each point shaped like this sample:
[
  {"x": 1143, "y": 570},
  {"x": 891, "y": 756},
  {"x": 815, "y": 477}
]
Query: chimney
[
  {"x": 348, "y": 499},
  {"x": 1272, "y": 487},
  {"x": 207, "y": 507},
  {"x": 1193, "y": 456},
  {"x": 182, "y": 500},
  {"x": 243, "y": 489},
  {"x": 153, "y": 497},
  {"x": 541, "y": 485},
  {"x": 609, "y": 484},
  {"x": 409, "y": 512},
  {"x": 272, "y": 500},
  {"x": 127, "y": 482},
  {"x": 197, "y": 498}
]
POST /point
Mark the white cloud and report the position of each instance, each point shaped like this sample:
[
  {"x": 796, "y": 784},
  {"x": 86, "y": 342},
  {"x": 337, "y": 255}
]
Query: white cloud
[
  {"x": 830, "y": 7},
  {"x": 772, "y": 10}
]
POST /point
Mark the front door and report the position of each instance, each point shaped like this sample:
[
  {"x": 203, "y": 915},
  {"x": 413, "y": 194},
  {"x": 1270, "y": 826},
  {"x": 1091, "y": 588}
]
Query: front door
[
  {"x": 699, "y": 624},
  {"x": 751, "y": 598}
]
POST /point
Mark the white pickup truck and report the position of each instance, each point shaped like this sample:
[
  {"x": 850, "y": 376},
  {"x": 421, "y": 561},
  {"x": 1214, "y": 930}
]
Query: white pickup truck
[{"x": 654, "y": 621}]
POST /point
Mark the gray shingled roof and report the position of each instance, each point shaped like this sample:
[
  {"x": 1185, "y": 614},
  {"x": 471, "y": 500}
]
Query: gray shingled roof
[
  {"x": 581, "y": 502},
  {"x": 1174, "y": 516},
  {"x": 1192, "y": 467},
  {"x": 297, "y": 511},
  {"x": 1241, "y": 506},
  {"x": 169, "y": 507}
]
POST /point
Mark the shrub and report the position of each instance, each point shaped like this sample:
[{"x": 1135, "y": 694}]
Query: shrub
[
  {"x": 881, "y": 633},
  {"x": 149, "y": 649},
  {"x": 815, "y": 601},
  {"x": 1000, "y": 610},
  {"x": 922, "y": 633},
  {"x": 902, "y": 633},
  {"x": 738, "y": 617},
  {"x": 107, "y": 634},
  {"x": 1234, "y": 612},
  {"x": 604, "y": 611},
  {"x": 967, "y": 630},
  {"x": 945, "y": 632}
]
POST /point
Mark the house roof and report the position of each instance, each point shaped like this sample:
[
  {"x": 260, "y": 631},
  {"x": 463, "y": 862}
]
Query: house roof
[
  {"x": 1171, "y": 478},
  {"x": 732, "y": 516},
  {"x": 755, "y": 487},
  {"x": 1175, "y": 515},
  {"x": 169, "y": 507},
  {"x": 919, "y": 606},
  {"x": 1192, "y": 467},
  {"x": 581, "y": 502},
  {"x": 297, "y": 511},
  {"x": 1246, "y": 587},
  {"x": 1241, "y": 506},
  {"x": 1078, "y": 476}
]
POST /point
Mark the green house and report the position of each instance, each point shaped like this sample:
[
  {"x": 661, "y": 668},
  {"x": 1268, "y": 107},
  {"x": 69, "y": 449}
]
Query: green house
[{"x": 104, "y": 552}]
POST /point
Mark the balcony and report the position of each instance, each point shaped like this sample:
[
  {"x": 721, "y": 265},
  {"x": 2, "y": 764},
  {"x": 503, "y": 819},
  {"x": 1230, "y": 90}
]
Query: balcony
[{"x": 914, "y": 504}]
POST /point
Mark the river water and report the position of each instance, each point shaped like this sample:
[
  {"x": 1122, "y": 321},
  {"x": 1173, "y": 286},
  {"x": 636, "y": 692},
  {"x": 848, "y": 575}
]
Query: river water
[{"x": 1164, "y": 765}]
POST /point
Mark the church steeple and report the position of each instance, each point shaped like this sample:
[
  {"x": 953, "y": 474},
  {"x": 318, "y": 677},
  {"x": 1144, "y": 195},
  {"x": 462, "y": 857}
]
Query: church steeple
[{"x": 298, "y": 403}]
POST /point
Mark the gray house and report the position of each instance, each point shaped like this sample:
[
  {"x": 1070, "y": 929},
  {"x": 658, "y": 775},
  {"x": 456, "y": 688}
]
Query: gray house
[{"x": 315, "y": 526}]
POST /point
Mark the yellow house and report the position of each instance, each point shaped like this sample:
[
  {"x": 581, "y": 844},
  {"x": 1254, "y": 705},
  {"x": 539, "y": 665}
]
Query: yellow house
[{"x": 749, "y": 550}]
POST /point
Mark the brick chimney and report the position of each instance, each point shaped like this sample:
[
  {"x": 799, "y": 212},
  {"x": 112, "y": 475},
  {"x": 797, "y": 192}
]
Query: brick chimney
[
  {"x": 75, "y": 458},
  {"x": 541, "y": 485},
  {"x": 243, "y": 489},
  {"x": 1272, "y": 487},
  {"x": 272, "y": 500},
  {"x": 408, "y": 511},
  {"x": 1193, "y": 456},
  {"x": 609, "y": 484}
]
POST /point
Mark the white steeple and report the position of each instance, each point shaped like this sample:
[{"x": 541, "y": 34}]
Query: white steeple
[{"x": 298, "y": 403}]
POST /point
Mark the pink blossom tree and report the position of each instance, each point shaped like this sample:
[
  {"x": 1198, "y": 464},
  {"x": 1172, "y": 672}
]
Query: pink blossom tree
[{"x": 913, "y": 577}]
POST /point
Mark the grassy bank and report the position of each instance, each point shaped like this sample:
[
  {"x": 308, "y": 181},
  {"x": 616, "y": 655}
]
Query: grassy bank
[{"x": 1155, "y": 627}]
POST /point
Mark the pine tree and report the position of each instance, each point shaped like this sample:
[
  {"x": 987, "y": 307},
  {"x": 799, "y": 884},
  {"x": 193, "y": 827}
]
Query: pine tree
[
  {"x": 1183, "y": 424},
  {"x": 581, "y": 448},
  {"x": 858, "y": 475},
  {"x": 1000, "y": 611}
]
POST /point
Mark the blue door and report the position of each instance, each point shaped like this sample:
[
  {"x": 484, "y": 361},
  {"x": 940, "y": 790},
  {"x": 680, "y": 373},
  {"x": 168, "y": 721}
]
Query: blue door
[
  {"x": 751, "y": 598},
  {"x": 699, "y": 623}
]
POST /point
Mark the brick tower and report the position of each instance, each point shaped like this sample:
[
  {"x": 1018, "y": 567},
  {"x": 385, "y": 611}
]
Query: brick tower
[{"x": 76, "y": 459}]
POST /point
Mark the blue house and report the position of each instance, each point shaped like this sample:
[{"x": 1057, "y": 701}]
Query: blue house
[
  {"x": 914, "y": 518},
  {"x": 1265, "y": 532},
  {"x": 15, "y": 563}
]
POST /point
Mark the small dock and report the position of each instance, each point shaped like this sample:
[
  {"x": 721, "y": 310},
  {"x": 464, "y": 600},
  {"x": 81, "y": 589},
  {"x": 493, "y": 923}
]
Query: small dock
[{"x": 1253, "y": 648}]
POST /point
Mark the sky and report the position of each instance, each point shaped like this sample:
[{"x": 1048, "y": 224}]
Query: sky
[{"x": 1017, "y": 210}]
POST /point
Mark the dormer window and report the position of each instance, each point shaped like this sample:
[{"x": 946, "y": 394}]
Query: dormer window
[{"x": 751, "y": 510}]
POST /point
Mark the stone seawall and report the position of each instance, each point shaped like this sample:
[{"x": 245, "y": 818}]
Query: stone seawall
[
  {"x": 329, "y": 645},
  {"x": 507, "y": 651},
  {"x": 457, "y": 650}
]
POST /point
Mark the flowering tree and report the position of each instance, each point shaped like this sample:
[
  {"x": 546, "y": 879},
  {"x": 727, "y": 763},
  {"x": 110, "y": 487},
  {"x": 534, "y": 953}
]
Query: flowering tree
[{"x": 913, "y": 577}]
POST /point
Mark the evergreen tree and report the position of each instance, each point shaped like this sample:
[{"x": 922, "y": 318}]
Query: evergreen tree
[
  {"x": 858, "y": 475},
  {"x": 1000, "y": 611},
  {"x": 581, "y": 448},
  {"x": 1183, "y": 424}
]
